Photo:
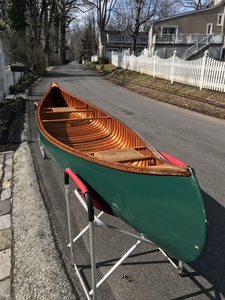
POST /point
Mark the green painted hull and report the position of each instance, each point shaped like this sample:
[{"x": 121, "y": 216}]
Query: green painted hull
[{"x": 168, "y": 210}]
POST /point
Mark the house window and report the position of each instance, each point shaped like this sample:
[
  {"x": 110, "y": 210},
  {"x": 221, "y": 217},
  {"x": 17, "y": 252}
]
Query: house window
[
  {"x": 119, "y": 39},
  {"x": 169, "y": 30},
  {"x": 209, "y": 28},
  {"x": 220, "y": 20},
  {"x": 127, "y": 39},
  {"x": 112, "y": 39},
  {"x": 112, "y": 50},
  {"x": 141, "y": 40}
]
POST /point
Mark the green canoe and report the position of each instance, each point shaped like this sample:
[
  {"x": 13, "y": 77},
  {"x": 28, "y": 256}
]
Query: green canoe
[{"x": 156, "y": 194}]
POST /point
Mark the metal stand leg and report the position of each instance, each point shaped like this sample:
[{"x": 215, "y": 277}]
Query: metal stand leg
[
  {"x": 93, "y": 264},
  {"x": 181, "y": 268},
  {"x": 39, "y": 140},
  {"x": 83, "y": 195},
  {"x": 41, "y": 147},
  {"x": 90, "y": 226},
  {"x": 67, "y": 192}
]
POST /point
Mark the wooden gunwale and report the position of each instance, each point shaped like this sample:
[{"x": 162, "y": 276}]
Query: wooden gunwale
[{"x": 154, "y": 170}]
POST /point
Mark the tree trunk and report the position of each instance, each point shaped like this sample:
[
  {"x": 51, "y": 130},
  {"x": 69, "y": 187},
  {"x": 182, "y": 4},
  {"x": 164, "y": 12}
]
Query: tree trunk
[{"x": 63, "y": 40}]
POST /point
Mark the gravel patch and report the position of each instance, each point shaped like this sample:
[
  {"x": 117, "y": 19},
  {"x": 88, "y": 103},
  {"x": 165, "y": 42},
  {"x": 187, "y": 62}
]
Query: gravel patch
[{"x": 37, "y": 272}]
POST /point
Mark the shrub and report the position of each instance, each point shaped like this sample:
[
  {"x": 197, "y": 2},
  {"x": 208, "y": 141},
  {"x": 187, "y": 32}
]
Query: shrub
[
  {"x": 27, "y": 79},
  {"x": 102, "y": 60},
  {"x": 14, "y": 89}
]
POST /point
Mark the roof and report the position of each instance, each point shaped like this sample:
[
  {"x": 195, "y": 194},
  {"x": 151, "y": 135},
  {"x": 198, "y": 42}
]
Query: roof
[{"x": 189, "y": 13}]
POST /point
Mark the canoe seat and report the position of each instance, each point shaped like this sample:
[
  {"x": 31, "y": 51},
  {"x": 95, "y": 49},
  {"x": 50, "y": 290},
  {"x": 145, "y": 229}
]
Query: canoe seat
[{"x": 122, "y": 155}]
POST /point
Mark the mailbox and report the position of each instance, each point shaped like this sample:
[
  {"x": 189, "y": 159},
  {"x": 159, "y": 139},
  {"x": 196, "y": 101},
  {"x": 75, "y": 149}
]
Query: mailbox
[{"x": 17, "y": 68}]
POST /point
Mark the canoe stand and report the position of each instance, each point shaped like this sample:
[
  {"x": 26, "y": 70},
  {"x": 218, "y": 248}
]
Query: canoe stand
[{"x": 84, "y": 197}]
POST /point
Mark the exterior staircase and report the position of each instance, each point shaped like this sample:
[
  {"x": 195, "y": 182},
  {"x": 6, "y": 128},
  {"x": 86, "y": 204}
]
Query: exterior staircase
[{"x": 198, "y": 47}]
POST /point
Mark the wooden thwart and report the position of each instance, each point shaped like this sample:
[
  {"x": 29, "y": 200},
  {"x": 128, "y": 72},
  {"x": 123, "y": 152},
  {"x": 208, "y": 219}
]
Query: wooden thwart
[{"x": 66, "y": 110}]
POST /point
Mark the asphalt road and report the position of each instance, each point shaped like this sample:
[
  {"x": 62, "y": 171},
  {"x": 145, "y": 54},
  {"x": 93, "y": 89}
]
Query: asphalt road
[{"x": 194, "y": 138}]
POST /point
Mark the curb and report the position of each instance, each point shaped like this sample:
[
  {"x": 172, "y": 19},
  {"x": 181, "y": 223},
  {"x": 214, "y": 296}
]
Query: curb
[{"x": 6, "y": 171}]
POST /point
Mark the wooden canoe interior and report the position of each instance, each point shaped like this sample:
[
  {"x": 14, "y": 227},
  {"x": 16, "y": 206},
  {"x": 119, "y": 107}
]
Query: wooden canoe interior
[
  {"x": 98, "y": 136},
  {"x": 84, "y": 128}
]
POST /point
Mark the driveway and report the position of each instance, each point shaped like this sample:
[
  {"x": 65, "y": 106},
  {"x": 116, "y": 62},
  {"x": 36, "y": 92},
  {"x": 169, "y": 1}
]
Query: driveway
[{"x": 192, "y": 137}]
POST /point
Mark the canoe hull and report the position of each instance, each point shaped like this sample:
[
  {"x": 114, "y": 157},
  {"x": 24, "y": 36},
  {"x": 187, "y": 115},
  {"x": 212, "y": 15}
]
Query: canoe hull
[{"x": 168, "y": 210}]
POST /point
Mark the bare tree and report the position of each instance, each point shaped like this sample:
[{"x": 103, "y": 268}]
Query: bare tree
[
  {"x": 75, "y": 40},
  {"x": 43, "y": 25},
  {"x": 133, "y": 15},
  {"x": 166, "y": 8},
  {"x": 48, "y": 21},
  {"x": 46, "y": 18},
  {"x": 103, "y": 10},
  {"x": 64, "y": 12},
  {"x": 193, "y": 4}
]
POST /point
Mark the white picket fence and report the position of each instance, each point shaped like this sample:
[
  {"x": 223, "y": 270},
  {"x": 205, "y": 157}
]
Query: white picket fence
[{"x": 204, "y": 72}]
